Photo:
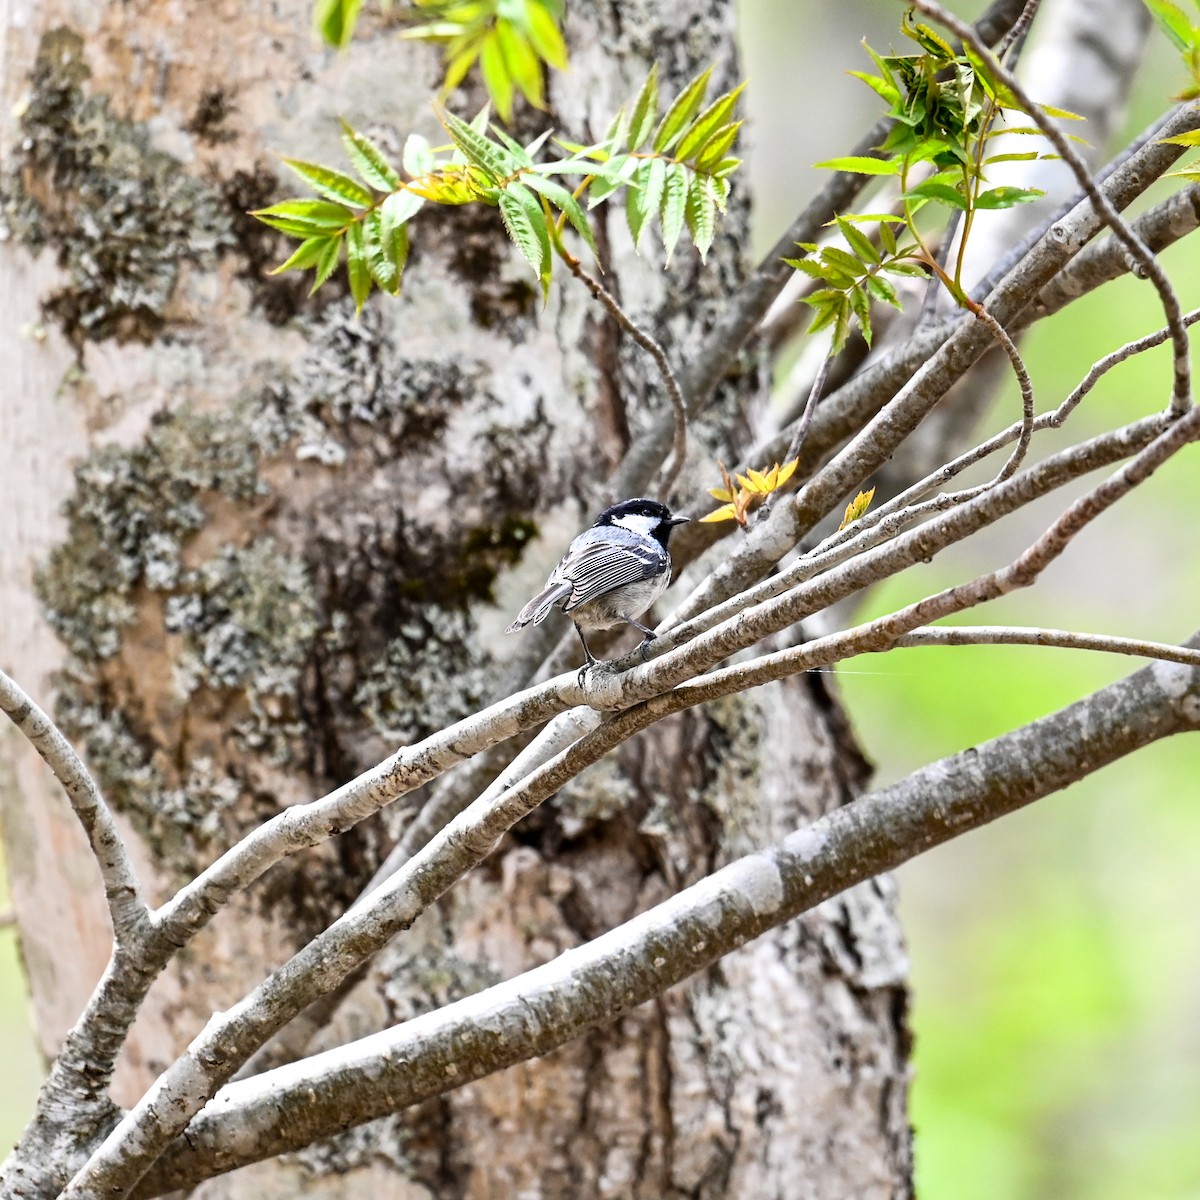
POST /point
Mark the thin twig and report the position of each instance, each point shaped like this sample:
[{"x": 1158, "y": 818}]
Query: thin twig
[
  {"x": 1181, "y": 397},
  {"x": 1007, "y": 635},
  {"x": 1026, "y": 384},
  {"x": 128, "y": 912},
  {"x": 655, "y": 350}
]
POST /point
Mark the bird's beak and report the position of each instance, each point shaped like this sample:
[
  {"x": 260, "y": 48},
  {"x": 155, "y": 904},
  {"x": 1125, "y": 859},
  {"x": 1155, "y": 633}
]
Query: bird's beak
[{"x": 679, "y": 520}]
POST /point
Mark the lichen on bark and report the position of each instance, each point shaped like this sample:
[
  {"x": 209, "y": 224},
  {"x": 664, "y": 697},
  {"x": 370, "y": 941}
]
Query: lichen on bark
[{"x": 120, "y": 215}]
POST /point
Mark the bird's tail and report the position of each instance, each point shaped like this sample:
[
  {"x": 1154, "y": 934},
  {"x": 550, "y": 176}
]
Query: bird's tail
[{"x": 534, "y": 613}]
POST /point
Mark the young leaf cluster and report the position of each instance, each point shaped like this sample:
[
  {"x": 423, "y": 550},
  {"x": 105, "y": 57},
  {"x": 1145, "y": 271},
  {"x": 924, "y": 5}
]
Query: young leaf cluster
[
  {"x": 676, "y": 165},
  {"x": 511, "y": 40},
  {"x": 944, "y": 106},
  {"x": 751, "y": 489},
  {"x": 1184, "y": 35},
  {"x": 851, "y": 279}
]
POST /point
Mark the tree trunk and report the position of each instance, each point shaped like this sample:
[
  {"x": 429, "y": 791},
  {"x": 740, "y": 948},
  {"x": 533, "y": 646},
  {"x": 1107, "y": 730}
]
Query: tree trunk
[{"x": 291, "y": 543}]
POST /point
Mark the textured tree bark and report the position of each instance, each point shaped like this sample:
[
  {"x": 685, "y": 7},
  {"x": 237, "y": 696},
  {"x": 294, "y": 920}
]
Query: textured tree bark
[{"x": 290, "y": 544}]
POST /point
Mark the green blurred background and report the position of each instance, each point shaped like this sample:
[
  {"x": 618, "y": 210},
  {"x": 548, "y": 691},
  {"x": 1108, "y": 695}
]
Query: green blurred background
[{"x": 1055, "y": 955}]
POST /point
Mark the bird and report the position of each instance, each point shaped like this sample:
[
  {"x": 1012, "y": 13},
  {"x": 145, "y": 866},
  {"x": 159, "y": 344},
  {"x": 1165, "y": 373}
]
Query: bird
[{"x": 610, "y": 574}]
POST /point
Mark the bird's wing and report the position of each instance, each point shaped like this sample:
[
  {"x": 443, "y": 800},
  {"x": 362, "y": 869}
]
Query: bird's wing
[{"x": 597, "y": 565}]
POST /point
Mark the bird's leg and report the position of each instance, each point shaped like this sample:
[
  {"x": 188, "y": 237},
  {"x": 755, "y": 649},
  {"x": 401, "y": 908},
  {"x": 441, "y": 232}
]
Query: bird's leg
[
  {"x": 589, "y": 657},
  {"x": 649, "y": 636}
]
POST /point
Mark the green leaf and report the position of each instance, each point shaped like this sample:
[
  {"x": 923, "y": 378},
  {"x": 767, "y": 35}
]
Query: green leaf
[
  {"x": 457, "y": 66},
  {"x": 1023, "y": 156},
  {"x": 882, "y": 290},
  {"x": 610, "y": 177},
  {"x": 1191, "y": 138},
  {"x": 858, "y": 241},
  {"x": 907, "y": 268},
  {"x": 845, "y": 261},
  {"x": 645, "y": 111},
  {"x": 684, "y": 108},
  {"x": 642, "y": 203},
  {"x": 701, "y": 213},
  {"x": 356, "y": 266},
  {"x": 561, "y": 198},
  {"x": 707, "y": 123},
  {"x": 331, "y": 183},
  {"x": 674, "y": 202},
  {"x": 334, "y": 20},
  {"x": 307, "y": 254},
  {"x": 327, "y": 262},
  {"x": 386, "y": 246},
  {"x": 858, "y": 165},
  {"x": 825, "y": 272},
  {"x": 400, "y": 207},
  {"x": 418, "y": 158},
  {"x": 483, "y": 153},
  {"x": 497, "y": 77},
  {"x": 715, "y": 149},
  {"x": 887, "y": 235},
  {"x": 305, "y": 218},
  {"x": 943, "y": 193},
  {"x": 526, "y": 224},
  {"x": 887, "y": 90},
  {"x": 543, "y": 31},
  {"x": 860, "y": 305},
  {"x": 369, "y": 161},
  {"x": 524, "y": 66},
  {"x": 1173, "y": 21},
  {"x": 1006, "y": 197},
  {"x": 520, "y": 153}
]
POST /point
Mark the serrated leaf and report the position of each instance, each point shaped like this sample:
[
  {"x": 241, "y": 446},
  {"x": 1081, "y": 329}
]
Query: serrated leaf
[
  {"x": 858, "y": 241},
  {"x": 334, "y": 20},
  {"x": 480, "y": 150},
  {"x": 418, "y": 158},
  {"x": 331, "y": 183},
  {"x": 519, "y": 153},
  {"x": 857, "y": 508},
  {"x": 369, "y": 161},
  {"x": 645, "y": 111},
  {"x": 822, "y": 271},
  {"x": 882, "y": 87},
  {"x": 844, "y": 260},
  {"x": 496, "y": 75},
  {"x": 674, "y": 202},
  {"x": 357, "y": 270},
  {"x": 907, "y": 269},
  {"x": 887, "y": 236},
  {"x": 1006, "y": 197},
  {"x": 684, "y": 108},
  {"x": 526, "y": 224},
  {"x": 1173, "y": 21},
  {"x": 707, "y": 123},
  {"x": 714, "y": 150},
  {"x": 524, "y": 66},
  {"x": 701, "y": 214},
  {"x": 327, "y": 263},
  {"x": 860, "y": 305},
  {"x": 307, "y": 254},
  {"x": 381, "y": 258},
  {"x": 305, "y": 218},
  {"x": 858, "y": 164},
  {"x": 942, "y": 193},
  {"x": 642, "y": 203},
  {"x": 882, "y": 290},
  {"x": 563, "y": 200},
  {"x": 610, "y": 177},
  {"x": 544, "y": 33},
  {"x": 1191, "y": 138}
]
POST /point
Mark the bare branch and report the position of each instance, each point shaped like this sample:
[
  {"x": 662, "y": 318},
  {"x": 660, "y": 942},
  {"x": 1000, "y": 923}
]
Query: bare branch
[
  {"x": 594, "y": 984},
  {"x": 1007, "y": 635},
  {"x": 126, "y": 909}
]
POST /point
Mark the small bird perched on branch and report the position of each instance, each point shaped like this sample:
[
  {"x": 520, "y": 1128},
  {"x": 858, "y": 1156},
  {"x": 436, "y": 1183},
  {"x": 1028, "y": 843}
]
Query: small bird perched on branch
[{"x": 611, "y": 573}]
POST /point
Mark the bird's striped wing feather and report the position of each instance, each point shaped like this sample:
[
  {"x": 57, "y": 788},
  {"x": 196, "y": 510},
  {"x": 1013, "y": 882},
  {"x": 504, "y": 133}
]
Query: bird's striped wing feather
[{"x": 602, "y": 566}]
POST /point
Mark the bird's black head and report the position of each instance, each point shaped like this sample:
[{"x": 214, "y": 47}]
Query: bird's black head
[{"x": 642, "y": 515}]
